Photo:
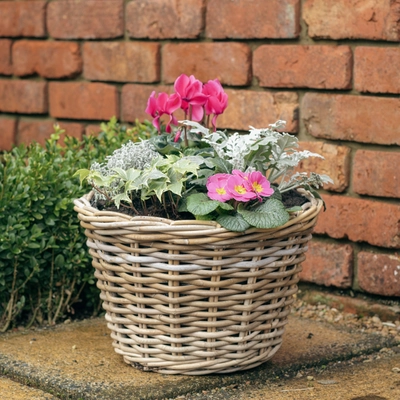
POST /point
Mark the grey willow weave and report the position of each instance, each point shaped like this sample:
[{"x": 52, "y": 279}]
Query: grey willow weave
[{"x": 189, "y": 297}]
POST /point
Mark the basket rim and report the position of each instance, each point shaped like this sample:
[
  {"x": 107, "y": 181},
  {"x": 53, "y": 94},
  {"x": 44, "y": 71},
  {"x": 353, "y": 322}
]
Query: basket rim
[{"x": 111, "y": 219}]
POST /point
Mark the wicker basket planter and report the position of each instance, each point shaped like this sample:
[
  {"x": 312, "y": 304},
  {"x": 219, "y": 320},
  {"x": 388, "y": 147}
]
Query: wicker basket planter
[{"x": 189, "y": 297}]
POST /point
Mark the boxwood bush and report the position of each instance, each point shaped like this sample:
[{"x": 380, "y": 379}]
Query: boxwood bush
[{"x": 45, "y": 270}]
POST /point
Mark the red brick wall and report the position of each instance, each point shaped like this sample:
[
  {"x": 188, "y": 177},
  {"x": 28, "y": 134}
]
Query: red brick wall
[{"x": 330, "y": 68}]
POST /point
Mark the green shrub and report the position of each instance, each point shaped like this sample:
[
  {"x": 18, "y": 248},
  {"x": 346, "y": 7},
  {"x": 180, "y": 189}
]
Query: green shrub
[{"x": 44, "y": 264}]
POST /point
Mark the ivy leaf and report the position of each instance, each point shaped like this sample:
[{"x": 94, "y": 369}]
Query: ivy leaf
[
  {"x": 121, "y": 197},
  {"x": 188, "y": 164},
  {"x": 270, "y": 214},
  {"x": 235, "y": 223},
  {"x": 83, "y": 174},
  {"x": 200, "y": 204}
]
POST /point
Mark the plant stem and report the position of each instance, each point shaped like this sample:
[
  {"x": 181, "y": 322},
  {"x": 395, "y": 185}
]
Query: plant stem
[{"x": 185, "y": 133}]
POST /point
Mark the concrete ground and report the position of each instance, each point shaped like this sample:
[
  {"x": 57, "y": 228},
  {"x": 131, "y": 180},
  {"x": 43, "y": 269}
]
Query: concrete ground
[{"x": 317, "y": 360}]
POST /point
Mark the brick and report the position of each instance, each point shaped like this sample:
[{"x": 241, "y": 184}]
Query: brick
[
  {"x": 82, "y": 100},
  {"x": 23, "y": 18},
  {"x": 379, "y": 273},
  {"x": 376, "y": 69},
  {"x": 356, "y": 118},
  {"x": 328, "y": 264},
  {"x": 27, "y": 97},
  {"x": 376, "y": 173},
  {"x": 350, "y": 19},
  {"x": 259, "y": 109},
  {"x": 5, "y": 57},
  {"x": 336, "y": 163},
  {"x": 39, "y": 131},
  {"x": 122, "y": 61},
  {"x": 229, "y": 62},
  {"x": 360, "y": 220},
  {"x": 318, "y": 67},
  {"x": 8, "y": 128},
  {"x": 89, "y": 19},
  {"x": 165, "y": 19},
  {"x": 47, "y": 59},
  {"x": 258, "y": 19}
]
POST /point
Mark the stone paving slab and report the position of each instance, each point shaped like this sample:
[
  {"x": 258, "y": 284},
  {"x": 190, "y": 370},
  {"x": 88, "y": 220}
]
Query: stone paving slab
[
  {"x": 10, "y": 390},
  {"x": 77, "y": 361}
]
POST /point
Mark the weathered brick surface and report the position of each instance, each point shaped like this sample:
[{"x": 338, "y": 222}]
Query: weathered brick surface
[
  {"x": 22, "y": 18},
  {"x": 319, "y": 67},
  {"x": 7, "y": 133},
  {"x": 376, "y": 70},
  {"x": 352, "y": 19},
  {"x": 379, "y": 273},
  {"x": 80, "y": 100},
  {"x": 229, "y": 62},
  {"x": 336, "y": 163},
  {"x": 241, "y": 19},
  {"x": 165, "y": 19},
  {"x": 122, "y": 62},
  {"x": 360, "y": 220},
  {"x": 328, "y": 264},
  {"x": 47, "y": 59},
  {"x": 39, "y": 131},
  {"x": 22, "y": 96},
  {"x": 89, "y": 19},
  {"x": 356, "y": 118},
  {"x": 377, "y": 173},
  {"x": 5, "y": 57},
  {"x": 259, "y": 109}
]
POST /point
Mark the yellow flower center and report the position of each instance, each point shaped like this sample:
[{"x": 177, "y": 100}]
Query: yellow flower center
[
  {"x": 221, "y": 191},
  {"x": 240, "y": 189},
  {"x": 257, "y": 187}
]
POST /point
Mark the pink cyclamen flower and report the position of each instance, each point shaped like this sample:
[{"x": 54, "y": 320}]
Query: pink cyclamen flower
[
  {"x": 259, "y": 184},
  {"x": 240, "y": 188},
  {"x": 164, "y": 104},
  {"x": 216, "y": 186},
  {"x": 217, "y": 99},
  {"x": 191, "y": 91}
]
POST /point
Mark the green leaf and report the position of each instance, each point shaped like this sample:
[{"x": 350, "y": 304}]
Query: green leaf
[
  {"x": 225, "y": 206},
  {"x": 59, "y": 261},
  {"x": 270, "y": 214},
  {"x": 294, "y": 209},
  {"x": 235, "y": 223},
  {"x": 121, "y": 197},
  {"x": 83, "y": 173},
  {"x": 200, "y": 204},
  {"x": 33, "y": 245}
]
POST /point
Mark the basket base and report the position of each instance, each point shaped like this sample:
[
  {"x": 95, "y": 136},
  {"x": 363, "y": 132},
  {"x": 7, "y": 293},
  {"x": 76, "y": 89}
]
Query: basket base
[
  {"x": 219, "y": 368},
  {"x": 254, "y": 353}
]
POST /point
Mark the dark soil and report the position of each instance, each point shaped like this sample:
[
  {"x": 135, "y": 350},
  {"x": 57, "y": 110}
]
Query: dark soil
[
  {"x": 293, "y": 198},
  {"x": 289, "y": 199}
]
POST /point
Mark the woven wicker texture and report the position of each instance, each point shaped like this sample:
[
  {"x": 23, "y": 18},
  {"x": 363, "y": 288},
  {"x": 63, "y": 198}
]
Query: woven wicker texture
[{"x": 189, "y": 297}]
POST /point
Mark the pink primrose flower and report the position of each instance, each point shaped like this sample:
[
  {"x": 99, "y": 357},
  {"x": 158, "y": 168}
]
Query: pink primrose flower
[
  {"x": 259, "y": 184},
  {"x": 216, "y": 186},
  {"x": 191, "y": 91},
  {"x": 239, "y": 188},
  {"x": 240, "y": 173},
  {"x": 164, "y": 104},
  {"x": 217, "y": 99}
]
